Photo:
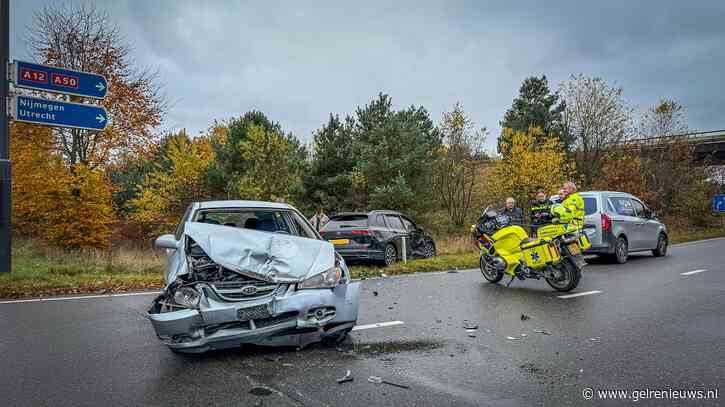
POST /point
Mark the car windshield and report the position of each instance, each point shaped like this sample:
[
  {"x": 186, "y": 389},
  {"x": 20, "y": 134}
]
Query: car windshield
[
  {"x": 257, "y": 219},
  {"x": 347, "y": 221}
]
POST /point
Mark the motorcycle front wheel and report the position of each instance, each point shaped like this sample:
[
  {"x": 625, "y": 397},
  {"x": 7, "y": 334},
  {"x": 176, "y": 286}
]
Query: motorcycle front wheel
[
  {"x": 566, "y": 276},
  {"x": 489, "y": 270}
]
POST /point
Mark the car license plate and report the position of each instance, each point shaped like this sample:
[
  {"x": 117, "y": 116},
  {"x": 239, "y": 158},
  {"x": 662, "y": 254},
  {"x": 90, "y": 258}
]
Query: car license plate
[
  {"x": 338, "y": 242},
  {"x": 574, "y": 249}
]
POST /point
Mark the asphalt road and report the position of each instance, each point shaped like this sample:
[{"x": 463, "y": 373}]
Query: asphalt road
[{"x": 648, "y": 327}]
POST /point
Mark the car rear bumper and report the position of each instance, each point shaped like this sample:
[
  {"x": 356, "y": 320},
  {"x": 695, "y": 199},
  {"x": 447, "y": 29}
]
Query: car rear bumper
[
  {"x": 360, "y": 254},
  {"x": 290, "y": 320}
]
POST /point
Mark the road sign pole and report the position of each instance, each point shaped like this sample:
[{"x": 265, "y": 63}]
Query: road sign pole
[{"x": 5, "y": 183}]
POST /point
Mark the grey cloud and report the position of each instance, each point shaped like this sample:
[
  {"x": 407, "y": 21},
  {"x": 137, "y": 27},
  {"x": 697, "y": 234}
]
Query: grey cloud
[{"x": 299, "y": 61}]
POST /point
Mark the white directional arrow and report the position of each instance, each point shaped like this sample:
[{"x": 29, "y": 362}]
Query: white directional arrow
[
  {"x": 100, "y": 87},
  {"x": 100, "y": 118}
]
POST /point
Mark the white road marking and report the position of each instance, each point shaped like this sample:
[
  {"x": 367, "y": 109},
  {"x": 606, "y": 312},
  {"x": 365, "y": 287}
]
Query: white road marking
[
  {"x": 378, "y": 325},
  {"x": 689, "y": 273},
  {"x": 81, "y": 297},
  {"x": 579, "y": 294}
]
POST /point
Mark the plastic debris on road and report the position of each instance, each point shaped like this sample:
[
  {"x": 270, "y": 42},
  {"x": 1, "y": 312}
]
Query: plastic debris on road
[
  {"x": 379, "y": 380},
  {"x": 542, "y": 331},
  {"x": 525, "y": 317},
  {"x": 347, "y": 378}
]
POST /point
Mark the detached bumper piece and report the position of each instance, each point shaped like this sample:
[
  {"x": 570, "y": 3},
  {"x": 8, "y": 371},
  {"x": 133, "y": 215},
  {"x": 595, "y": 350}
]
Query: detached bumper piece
[{"x": 290, "y": 317}]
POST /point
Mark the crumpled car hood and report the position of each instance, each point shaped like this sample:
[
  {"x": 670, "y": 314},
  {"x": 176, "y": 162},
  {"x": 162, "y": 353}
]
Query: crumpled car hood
[{"x": 270, "y": 256}]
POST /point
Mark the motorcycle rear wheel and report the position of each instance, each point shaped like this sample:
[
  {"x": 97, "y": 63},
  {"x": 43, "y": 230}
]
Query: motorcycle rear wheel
[
  {"x": 489, "y": 272},
  {"x": 569, "y": 276}
]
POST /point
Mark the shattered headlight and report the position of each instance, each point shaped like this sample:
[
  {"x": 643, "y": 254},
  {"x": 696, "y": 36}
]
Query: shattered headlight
[
  {"x": 327, "y": 279},
  {"x": 187, "y": 297}
]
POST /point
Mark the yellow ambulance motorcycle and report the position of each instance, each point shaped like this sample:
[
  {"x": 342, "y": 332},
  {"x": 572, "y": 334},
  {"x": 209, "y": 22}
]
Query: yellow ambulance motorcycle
[{"x": 554, "y": 255}]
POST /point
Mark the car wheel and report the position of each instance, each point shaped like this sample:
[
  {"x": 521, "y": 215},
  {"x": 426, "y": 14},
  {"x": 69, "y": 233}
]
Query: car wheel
[
  {"x": 621, "y": 250},
  {"x": 391, "y": 255},
  {"x": 429, "y": 250},
  {"x": 661, "y": 249}
]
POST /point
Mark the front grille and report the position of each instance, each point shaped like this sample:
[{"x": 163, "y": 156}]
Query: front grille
[
  {"x": 244, "y": 288},
  {"x": 256, "y": 312}
]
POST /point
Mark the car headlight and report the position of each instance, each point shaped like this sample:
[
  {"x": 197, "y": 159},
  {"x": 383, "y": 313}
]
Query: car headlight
[
  {"x": 187, "y": 297},
  {"x": 327, "y": 279}
]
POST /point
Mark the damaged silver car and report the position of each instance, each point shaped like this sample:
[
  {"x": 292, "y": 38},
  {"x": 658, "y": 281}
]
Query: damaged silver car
[{"x": 251, "y": 272}]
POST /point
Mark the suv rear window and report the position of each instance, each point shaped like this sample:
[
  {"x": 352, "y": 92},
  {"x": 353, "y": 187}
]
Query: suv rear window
[
  {"x": 347, "y": 221},
  {"x": 590, "y": 205}
]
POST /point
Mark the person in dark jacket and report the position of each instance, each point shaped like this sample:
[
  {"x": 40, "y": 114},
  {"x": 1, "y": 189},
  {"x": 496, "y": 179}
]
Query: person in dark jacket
[
  {"x": 540, "y": 211},
  {"x": 513, "y": 212}
]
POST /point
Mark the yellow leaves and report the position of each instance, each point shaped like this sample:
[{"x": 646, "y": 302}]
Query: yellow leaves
[
  {"x": 65, "y": 207},
  {"x": 529, "y": 163},
  {"x": 167, "y": 192}
]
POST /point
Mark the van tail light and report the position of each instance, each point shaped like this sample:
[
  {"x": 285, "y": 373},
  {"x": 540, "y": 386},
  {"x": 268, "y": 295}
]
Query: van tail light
[
  {"x": 365, "y": 232},
  {"x": 606, "y": 223}
]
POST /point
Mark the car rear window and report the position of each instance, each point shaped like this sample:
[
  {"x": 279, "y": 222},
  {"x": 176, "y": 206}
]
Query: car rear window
[
  {"x": 347, "y": 221},
  {"x": 590, "y": 205}
]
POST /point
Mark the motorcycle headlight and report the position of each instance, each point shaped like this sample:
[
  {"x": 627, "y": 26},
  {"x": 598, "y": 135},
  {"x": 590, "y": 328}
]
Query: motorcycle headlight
[
  {"x": 327, "y": 279},
  {"x": 187, "y": 297}
]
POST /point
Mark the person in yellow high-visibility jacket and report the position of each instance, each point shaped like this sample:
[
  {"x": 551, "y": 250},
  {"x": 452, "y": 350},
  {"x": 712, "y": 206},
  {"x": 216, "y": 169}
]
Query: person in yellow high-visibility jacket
[{"x": 573, "y": 207}]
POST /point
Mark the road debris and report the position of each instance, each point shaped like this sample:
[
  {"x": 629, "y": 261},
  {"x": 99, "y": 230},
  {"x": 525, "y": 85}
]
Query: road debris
[
  {"x": 260, "y": 391},
  {"x": 595, "y": 339},
  {"x": 472, "y": 335},
  {"x": 379, "y": 380},
  {"x": 452, "y": 271},
  {"x": 524, "y": 335},
  {"x": 469, "y": 325},
  {"x": 542, "y": 331},
  {"x": 512, "y": 338},
  {"x": 525, "y": 317},
  {"x": 347, "y": 378},
  {"x": 375, "y": 293}
]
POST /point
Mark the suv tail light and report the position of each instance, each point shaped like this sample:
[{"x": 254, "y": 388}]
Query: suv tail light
[
  {"x": 365, "y": 232},
  {"x": 606, "y": 222}
]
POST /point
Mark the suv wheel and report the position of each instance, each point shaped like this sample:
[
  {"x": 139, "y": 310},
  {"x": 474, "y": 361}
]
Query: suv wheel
[
  {"x": 429, "y": 250},
  {"x": 661, "y": 249},
  {"x": 621, "y": 250}
]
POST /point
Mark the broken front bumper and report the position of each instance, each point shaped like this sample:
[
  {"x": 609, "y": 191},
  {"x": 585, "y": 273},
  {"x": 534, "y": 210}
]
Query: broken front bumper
[{"x": 290, "y": 317}]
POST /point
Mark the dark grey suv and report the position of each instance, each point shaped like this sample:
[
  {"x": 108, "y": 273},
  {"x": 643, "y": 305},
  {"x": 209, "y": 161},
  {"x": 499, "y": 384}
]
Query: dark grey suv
[
  {"x": 377, "y": 236},
  {"x": 618, "y": 223}
]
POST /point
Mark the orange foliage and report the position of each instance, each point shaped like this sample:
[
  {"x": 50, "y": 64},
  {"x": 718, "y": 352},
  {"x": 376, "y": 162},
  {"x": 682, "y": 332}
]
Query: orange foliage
[{"x": 69, "y": 208}]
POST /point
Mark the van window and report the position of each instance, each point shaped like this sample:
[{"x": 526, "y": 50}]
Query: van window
[
  {"x": 623, "y": 206},
  {"x": 638, "y": 208},
  {"x": 590, "y": 205}
]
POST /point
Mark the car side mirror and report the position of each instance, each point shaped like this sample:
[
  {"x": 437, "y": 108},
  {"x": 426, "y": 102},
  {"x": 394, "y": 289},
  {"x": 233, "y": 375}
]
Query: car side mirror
[{"x": 166, "y": 242}]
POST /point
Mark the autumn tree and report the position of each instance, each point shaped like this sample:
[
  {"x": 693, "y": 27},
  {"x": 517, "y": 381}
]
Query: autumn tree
[
  {"x": 82, "y": 38},
  {"x": 169, "y": 189},
  {"x": 526, "y": 167},
  {"x": 536, "y": 106},
  {"x": 455, "y": 173},
  {"x": 597, "y": 117},
  {"x": 70, "y": 209}
]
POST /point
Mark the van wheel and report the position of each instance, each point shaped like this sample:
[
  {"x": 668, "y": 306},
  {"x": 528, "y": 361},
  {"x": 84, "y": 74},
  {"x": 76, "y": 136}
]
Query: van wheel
[
  {"x": 621, "y": 250},
  {"x": 661, "y": 249},
  {"x": 391, "y": 255}
]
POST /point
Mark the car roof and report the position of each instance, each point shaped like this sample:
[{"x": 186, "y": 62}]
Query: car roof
[
  {"x": 375, "y": 212},
  {"x": 242, "y": 204},
  {"x": 591, "y": 193}
]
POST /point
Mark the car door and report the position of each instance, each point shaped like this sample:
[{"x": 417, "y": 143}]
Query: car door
[
  {"x": 397, "y": 229},
  {"x": 415, "y": 237},
  {"x": 648, "y": 228},
  {"x": 626, "y": 220}
]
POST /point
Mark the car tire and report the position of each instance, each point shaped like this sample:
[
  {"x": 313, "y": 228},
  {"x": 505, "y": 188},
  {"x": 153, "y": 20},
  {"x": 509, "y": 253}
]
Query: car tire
[
  {"x": 429, "y": 249},
  {"x": 390, "y": 255},
  {"x": 661, "y": 249},
  {"x": 621, "y": 250}
]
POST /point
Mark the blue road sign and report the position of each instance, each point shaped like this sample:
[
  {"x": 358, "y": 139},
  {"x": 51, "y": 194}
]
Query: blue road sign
[
  {"x": 718, "y": 203},
  {"x": 58, "y": 113},
  {"x": 52, "y": 79}
]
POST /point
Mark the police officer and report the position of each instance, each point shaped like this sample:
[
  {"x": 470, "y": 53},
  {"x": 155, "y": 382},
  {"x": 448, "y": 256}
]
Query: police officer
[
  {"x": 540, "y": 212},
  {"x": 574, "y": 205}
]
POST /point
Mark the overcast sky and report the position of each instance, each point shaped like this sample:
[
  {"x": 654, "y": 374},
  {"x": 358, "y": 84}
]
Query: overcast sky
[{"x": 297, "y": 61}]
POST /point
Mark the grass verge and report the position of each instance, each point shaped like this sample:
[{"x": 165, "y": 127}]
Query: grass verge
[{"x": 44, "y": 272}]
